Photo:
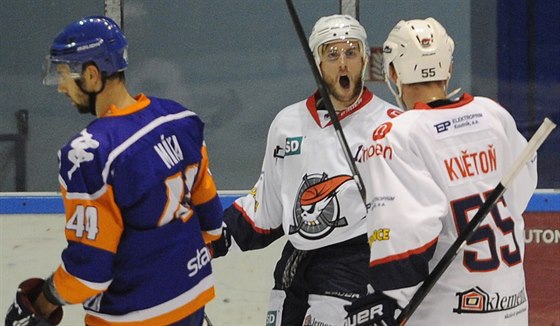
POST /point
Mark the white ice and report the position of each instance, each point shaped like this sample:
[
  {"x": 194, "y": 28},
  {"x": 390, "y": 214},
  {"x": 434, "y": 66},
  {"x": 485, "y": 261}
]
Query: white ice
[{"x": 30, "y": 246}]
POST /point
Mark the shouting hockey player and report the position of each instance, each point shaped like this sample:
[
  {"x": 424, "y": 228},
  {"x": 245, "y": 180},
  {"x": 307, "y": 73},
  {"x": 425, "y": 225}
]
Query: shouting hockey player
[
  {"x": 444, "y": 157},
  {"x": 305, "y": 190},
  {"x": 140, "y": 201}
]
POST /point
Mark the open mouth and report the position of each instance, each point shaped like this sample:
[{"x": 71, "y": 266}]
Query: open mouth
[{"x": 344, "y": 81}]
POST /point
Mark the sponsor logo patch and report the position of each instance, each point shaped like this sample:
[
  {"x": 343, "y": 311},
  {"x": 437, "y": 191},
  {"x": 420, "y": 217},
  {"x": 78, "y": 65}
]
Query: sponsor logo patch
[
  {"x": 293, "y": 146},
  {"x": 381, "y": 131},
  {"x": 478, "y": 301},
  {"x": 271, "y": 318}
]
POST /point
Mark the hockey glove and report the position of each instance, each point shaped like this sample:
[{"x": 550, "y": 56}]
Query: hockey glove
[
  {"x": 22, "y": 312},
  {"x": 221, "y": 246},
  {"x": 375, "y": 309}
]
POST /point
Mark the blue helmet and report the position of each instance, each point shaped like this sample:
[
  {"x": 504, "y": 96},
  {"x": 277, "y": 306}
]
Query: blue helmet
[{"x": 95, "y": 39}]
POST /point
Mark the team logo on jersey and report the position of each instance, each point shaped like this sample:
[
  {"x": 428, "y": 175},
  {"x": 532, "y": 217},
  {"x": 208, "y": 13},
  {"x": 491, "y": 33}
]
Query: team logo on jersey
[
  {"x": 316, "y": 211},
  {"x": 381, "y": 131},
  {"x": 79, "y": 154},
  {"x": 477, "y": 301},
  {"x": 426, "y": 42},
  {"x": 293, "y": 146}
]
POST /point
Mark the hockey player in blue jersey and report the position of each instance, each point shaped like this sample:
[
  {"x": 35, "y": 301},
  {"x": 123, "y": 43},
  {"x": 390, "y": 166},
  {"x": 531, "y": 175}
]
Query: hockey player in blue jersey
[{"x": 140, "y": 201}]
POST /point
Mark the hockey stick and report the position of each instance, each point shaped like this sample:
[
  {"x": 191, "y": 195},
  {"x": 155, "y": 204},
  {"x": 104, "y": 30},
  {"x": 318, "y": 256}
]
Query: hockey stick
[
  {"x": 114, "y": 9},
  {"x": 327, "y": 101},
  {"x": 534, "y": 143},
  {"x": 208, "y": 322}
]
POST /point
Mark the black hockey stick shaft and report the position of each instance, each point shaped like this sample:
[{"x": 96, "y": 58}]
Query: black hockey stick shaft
[
  {"x": 207, "y": 319},
  {"x": 534, "y": 143},
  {"x": 327, "y": 101}
]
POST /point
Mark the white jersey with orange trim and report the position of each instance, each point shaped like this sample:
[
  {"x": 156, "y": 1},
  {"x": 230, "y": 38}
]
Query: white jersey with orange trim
[
  {"x": 139, "y": 200},
  {"x": 305, "y": 189},
  {"x": 435, "y": 169}
]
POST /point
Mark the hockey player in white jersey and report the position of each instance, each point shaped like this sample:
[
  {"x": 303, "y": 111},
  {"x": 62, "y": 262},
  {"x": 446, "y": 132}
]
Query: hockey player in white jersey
[
  {"x": 305, "y": 190},
  {"x": 441, "y": 158}
]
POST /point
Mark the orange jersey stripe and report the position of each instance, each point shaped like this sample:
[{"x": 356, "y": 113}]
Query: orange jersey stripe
[
  {"x": 165, "y": 319},
  {"x": 70, "y": 288},
  {"x": 204, "y": 188}
]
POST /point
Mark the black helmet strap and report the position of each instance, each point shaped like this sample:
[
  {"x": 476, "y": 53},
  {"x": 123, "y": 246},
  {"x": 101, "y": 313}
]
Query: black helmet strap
[{"x": 92, "y": 96}]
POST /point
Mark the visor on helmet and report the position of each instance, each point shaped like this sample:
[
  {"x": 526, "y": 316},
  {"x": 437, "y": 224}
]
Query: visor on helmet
[
  {"x": 332, "y": 51},
  {"x": 55, "y": 71}
]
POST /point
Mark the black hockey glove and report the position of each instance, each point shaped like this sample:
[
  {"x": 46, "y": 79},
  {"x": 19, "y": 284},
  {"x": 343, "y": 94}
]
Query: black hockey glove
[
  {"x": 221, "y": 246},
  {"x": 22, "y": 312},
  {"x": 375, "y": 309}
]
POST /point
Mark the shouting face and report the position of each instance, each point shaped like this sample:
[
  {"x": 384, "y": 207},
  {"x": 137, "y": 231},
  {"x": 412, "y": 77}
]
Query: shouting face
[{"x": 341, "y": 67}]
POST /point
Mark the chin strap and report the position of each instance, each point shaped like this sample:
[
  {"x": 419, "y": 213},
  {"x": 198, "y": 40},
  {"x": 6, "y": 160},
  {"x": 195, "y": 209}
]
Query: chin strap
[
  {"x": 396, "y": 93},
  {"x": 92, "y": 96},
  {"x": 453, "y": 93}
]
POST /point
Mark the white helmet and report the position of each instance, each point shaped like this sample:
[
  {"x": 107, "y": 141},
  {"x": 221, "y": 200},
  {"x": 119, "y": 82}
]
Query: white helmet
[
  {"x": 338, "y": 27},
  {"x": 420, "y": 51}
]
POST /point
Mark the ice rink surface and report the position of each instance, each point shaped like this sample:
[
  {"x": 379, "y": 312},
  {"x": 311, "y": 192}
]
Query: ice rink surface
[{"x": 30, "y": 246}]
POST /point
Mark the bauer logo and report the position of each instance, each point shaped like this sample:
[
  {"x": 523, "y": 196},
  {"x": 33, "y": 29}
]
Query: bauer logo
[{"x": 293, "y": 146}]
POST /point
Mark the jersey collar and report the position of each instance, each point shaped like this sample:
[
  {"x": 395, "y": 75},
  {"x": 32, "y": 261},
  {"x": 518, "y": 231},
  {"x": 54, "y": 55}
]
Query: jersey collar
[
  {"x": 142, "y": 101},
  {"x": 311, "y": 104},
  {"x": 445, "y": 103}
]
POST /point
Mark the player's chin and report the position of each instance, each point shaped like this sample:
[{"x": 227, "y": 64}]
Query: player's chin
[{"x": 83, "y": 109}]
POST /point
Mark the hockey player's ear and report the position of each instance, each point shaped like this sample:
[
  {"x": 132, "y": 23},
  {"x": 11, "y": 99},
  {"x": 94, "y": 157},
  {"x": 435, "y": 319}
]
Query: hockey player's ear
[
  {"x": 91, "y": 77},
  {"x": 90, "y": 72}
]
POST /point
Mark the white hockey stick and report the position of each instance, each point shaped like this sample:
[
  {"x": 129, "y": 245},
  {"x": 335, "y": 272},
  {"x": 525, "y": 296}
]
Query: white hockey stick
[{"x": 534, "y": 143}]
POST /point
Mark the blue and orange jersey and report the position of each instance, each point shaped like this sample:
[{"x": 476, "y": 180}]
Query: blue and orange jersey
[{"x": 140, "y": 204}]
